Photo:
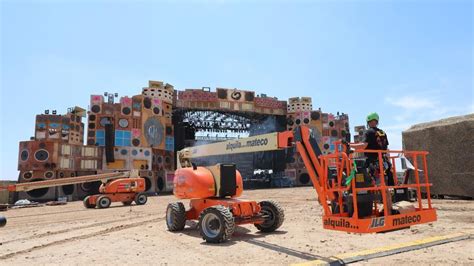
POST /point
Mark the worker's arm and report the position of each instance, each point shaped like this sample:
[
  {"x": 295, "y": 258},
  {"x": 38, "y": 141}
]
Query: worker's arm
[{"x": 359, "y": 146}]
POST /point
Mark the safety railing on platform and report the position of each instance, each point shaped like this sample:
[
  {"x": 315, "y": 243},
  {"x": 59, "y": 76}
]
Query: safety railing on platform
[{"x": 345, "y": 169}]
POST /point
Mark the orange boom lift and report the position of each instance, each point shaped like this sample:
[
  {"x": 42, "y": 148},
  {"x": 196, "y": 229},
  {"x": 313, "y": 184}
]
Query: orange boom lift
[
  {"x": 213, "y": 191},
  {"x": 125, "y": 187},
  {"x": 350, "y": 199}
]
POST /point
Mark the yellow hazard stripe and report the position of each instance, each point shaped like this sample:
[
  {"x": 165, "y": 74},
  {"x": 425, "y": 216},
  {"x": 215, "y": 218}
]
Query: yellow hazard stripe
[{"x": 384, "y": 249}]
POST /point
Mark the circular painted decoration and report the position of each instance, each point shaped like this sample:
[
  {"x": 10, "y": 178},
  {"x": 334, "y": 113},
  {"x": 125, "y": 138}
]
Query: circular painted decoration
[
  {"x": 123, "y": 152},
  {"x": 123, "y": 122},
  {"x": 27, "y": 175},
  {"x": 41, "y": 155},
  {"x": 147, "y": 103},
  {"x": 134, "y": 152},
  {"x": 24, "y": 155},
  {"x": 236, "y": 95},
  {"x": 135, "y": 142},
  {"x": 147, "y": 153},
  {"x": 315, "y": 115},
  {"x": 306, "y": 121},
  {"x": 126, "y": 110},
  {"x": 153, "y": 131},
  {"x": 298, "y": 121},
  {"x": 156, "y": 110},
  {"x": 289, "y": 121},
  {"x": 104, "y": 121},
  {"x": 49, "y": 174},
  {"x": 95, "y": 108}
]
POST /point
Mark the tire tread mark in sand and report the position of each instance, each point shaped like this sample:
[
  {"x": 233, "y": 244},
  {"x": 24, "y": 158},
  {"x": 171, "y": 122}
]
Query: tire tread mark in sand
[
  {"x": 43, "y": 214},
  {"x": 81, "y": 237},
  {"x": 67, "y": 230}
]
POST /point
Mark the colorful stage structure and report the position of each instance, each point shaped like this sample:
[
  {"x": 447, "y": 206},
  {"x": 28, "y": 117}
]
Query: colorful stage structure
[{"x": 143, "y": 132}]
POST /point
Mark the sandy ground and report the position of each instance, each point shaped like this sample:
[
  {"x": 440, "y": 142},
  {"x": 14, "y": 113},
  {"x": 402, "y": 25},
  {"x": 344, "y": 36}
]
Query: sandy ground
[{"x": 71, "y": 234}]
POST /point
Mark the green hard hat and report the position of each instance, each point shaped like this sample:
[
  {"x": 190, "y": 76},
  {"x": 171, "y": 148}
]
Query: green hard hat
[{"x": 372, "y": 116}]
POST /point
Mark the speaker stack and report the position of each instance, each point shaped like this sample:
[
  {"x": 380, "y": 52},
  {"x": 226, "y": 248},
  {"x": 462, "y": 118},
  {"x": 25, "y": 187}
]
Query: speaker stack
[
  {"x": 96, "y": 104},
  {"x": 359, "y": 133},
  {"x": 123, "y": 123},
  {"x": 38, "y": 155},
  {"x": 136, "y": 122},
  {"x": 76, "y": 129},
  {"x": 158, "y": 160},
  {"x": 164, "y": 93},
  {"x": 295, "y": 168},
  {"x": 141, "y": 158},
  {"x": 41, "y": 194},
  {"x": 150, "y": 182},
  {"x": 67, "y": 156},
  {"x": 268, "y": 105},
  {"x": 160, "y": 181},
  {"x": 342, "y": 127},
  {"x": 89, "y": 188},
  {"x": 41, "y": 127},
  {"x": 90, "y": 159},
  {"x": 58, "y": 128},
  {"x": 163, "y": 160},
  {"x": 236, "y": 100},
  {"x": 121, "y": 159},
  {"x": 159, "y": 90},
  {"x": 153, "y": 126},
  {"x": 299, "y": 112},
  {"x": 69, "y": 191},
  {"x": 95, "y": 119},
  {"x": 326, "y": 143}
]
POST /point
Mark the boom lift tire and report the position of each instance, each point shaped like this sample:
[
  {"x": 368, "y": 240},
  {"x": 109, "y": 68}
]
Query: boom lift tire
[
  {"x": 216, "y": 224},
  {"x": 175, "y": 216},
  {"x": 141, "y": 199},
  {"x": 103, "y": 202},
  {"x": 274, "y": 216},
  {"x": 87, "y": 204}
]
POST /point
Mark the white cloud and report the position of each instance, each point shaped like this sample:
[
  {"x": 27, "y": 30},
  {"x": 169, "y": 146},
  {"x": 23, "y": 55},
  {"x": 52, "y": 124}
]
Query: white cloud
[{"x": 412, "y": 102}]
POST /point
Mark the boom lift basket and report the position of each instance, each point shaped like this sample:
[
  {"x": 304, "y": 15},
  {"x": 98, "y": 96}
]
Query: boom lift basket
[{"x": 353, "y": 201}]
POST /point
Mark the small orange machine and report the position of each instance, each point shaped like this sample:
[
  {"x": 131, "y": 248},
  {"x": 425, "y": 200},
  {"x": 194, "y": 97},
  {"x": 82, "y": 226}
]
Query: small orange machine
[
  {"x": 125, "y": 190},
  {"x": 213, "y": 191},
  {"x": 125, "y": 187}
]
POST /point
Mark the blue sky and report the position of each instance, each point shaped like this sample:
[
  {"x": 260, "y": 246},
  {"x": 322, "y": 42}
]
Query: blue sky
[{"x": 411, "y": 61}]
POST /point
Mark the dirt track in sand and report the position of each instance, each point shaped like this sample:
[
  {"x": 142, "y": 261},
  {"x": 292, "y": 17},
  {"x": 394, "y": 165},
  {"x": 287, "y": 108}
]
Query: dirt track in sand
[{"x": 71, "y": 234}]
